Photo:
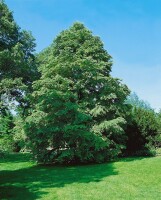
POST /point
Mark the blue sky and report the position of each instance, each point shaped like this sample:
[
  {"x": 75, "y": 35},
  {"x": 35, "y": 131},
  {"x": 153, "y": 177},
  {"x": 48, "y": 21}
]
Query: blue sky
[{"x": 129, "y": 29}]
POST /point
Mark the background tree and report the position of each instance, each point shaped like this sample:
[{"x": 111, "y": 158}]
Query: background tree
[
  {"x": 79, "y": 107},
  {"x": 6, "y": 126},
  {"x": 17, "y": 62},
  {"x": 135, "y": 101},
  {"x": 18, "y": 69},
  {"x": 142, "y": 128}
]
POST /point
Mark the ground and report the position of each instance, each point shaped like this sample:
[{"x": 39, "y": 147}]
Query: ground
[{"x": 125, "y": 179}]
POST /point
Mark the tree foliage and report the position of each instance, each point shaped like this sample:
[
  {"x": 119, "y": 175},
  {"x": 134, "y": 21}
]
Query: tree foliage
[
  {"x": 142, "y": 128},
  {"x": 18, "y": 69},
  {"x": 78, "y": 107},
  {"x": 17, "y": 61},
  {"x": 135, "y": 101},
  {"x": 6, "y": 126}
]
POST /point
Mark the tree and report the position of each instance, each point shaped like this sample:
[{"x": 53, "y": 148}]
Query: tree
[
  {"x": 17, "y": 62},
  {"x": 6, "y": 126},
  {"x": 142, "y": 128},
  {"x": 18, "y": 69},
  {"x": 78, "y": 107},
  {"x": 135, "y": 101}
]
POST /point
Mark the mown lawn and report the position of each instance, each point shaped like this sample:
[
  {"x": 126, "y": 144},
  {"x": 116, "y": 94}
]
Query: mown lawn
[{"x": 131, "y": 178}]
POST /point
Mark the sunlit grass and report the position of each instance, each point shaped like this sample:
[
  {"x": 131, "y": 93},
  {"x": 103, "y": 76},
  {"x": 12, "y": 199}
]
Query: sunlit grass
[{"x": 131, "y": 178}]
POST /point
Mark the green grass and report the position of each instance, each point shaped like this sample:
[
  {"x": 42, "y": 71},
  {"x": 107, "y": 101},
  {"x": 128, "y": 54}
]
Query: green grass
[{"x": 131, "y": 178}]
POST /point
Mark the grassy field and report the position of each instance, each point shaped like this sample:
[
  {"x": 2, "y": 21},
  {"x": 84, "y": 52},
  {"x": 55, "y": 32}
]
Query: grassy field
[{"x": 131, "y": 178}]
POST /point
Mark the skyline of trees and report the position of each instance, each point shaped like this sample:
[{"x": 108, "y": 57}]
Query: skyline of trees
[{"x": 68, "y": 106}]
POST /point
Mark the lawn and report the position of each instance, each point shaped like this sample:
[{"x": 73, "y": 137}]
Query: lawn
[{"x": 130, "y": 178}]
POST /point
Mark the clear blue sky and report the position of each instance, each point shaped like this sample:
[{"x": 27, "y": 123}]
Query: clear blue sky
[{"x": 130, "y": 30}]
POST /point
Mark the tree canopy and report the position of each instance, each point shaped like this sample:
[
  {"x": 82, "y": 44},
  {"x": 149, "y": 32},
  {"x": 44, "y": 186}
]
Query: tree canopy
[
  {"x": 18, "y": 69},
  {"x": 17, "y": 61}
]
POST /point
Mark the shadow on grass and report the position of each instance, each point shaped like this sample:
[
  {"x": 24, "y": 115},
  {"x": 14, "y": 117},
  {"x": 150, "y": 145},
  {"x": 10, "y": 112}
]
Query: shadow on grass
[
  {"x": 15, "y": 193},
  {"x": 30, "y": 181}
]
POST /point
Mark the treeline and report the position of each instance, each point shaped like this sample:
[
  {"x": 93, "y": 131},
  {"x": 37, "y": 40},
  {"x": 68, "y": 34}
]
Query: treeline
[{"x": 63, "y": 105}]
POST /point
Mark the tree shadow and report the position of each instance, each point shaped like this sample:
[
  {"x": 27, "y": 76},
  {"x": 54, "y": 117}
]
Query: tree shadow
[
  {"x": 16, "y": 193},
  {"x": 30, "y": 181}
]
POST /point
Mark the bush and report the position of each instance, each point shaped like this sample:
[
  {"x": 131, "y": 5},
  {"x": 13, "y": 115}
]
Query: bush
[
  {"x": 6, "y": 143},
  {"x": 142, "y": 131},
  {"x": 158, "y": 151},
  {"x": 19, "y": 136}
]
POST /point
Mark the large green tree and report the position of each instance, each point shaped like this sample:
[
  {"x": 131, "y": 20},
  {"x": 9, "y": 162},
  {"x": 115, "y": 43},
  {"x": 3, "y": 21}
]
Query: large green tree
[
  {"x": 18, "y": 69},
  {"x": 17, "y": 61},
  {"x": 78, "y": 112}
]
